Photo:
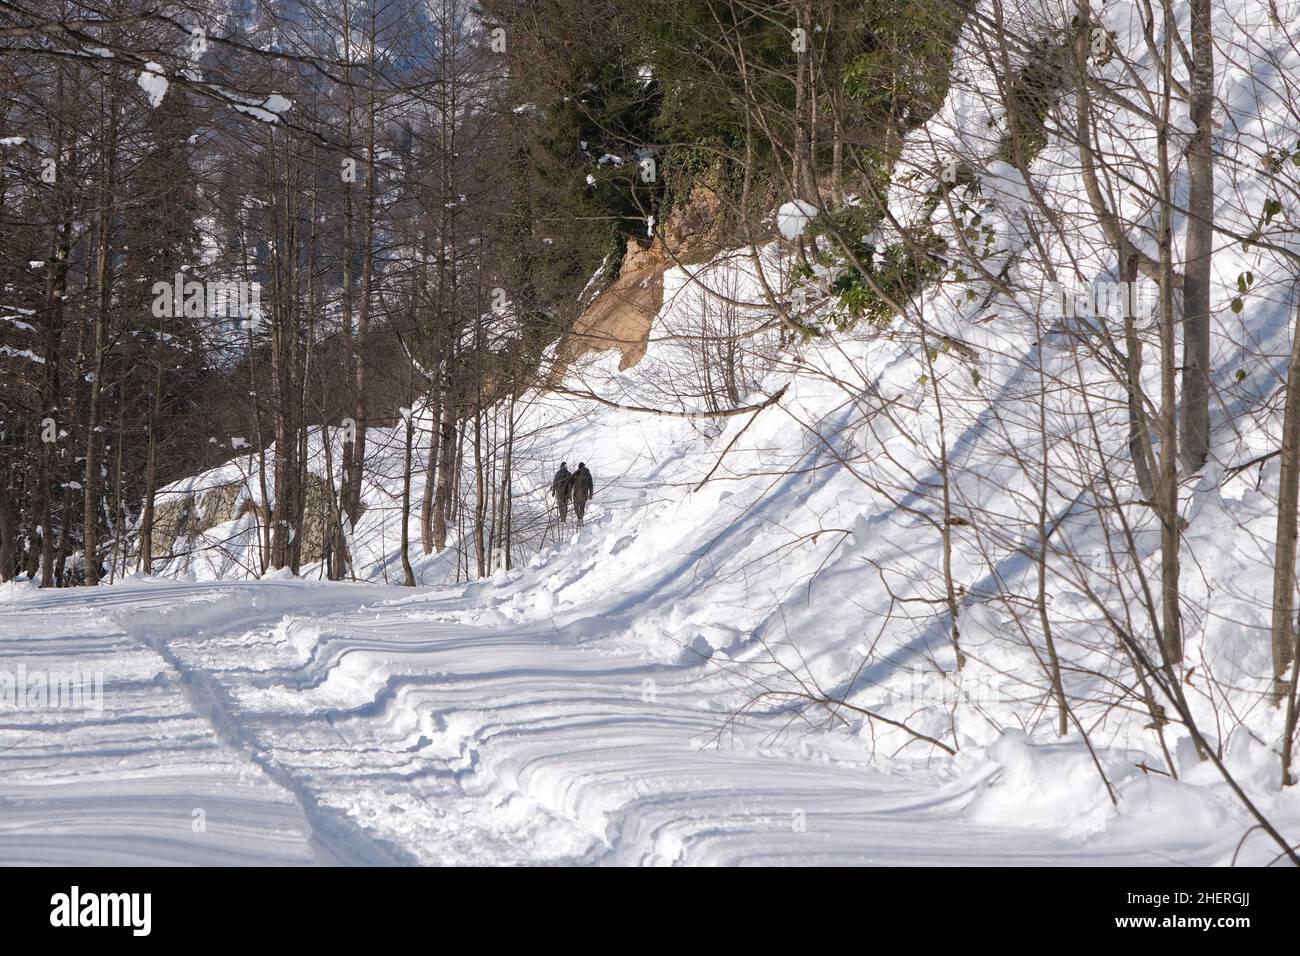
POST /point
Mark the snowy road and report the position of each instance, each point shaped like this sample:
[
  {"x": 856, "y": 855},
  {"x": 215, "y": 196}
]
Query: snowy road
[{"x": 290, "y": 723}]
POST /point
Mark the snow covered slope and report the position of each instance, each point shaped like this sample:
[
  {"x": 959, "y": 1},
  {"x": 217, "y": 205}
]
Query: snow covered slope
[{"x": 745, "y": 655}]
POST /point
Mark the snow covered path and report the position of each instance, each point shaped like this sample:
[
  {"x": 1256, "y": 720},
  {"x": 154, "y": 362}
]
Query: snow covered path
[{"x": 301, "y": 723}]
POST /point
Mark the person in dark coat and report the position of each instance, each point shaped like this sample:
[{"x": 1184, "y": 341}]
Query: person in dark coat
[
  {"x": 583, "y": 488},
  {"x": 562, "y": 488}
]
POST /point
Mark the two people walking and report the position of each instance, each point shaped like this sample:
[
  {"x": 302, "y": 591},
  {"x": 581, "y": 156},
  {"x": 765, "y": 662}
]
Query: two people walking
[{"x": 576, "y": 485}]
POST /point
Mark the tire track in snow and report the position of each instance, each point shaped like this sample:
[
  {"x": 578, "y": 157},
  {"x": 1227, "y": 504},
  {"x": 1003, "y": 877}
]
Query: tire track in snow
[
  {"x": 123, "y": 780},
  {"x": 404, "y": 737},
  {"x": 335, "y": 840}
]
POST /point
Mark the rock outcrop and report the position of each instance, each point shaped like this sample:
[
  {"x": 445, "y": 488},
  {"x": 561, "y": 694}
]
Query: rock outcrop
[{"x": 621, "y": 316}]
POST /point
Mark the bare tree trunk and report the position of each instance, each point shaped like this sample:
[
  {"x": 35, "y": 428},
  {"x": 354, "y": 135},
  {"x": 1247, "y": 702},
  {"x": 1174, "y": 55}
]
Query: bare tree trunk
[
  {"x": 1167, "y": 489},
  {"x": 144, "y": 560},
  {"x": 8, "y": 548},
  {"x": 431, "y": 471},
  {"x": 407, "y": 572},
  {"x": 1200, "y": 241},
  {"x": 1284, "y": 554},
  {"x": 103, "y": 279},
  {"x": 804, "y": 185},
  {"x": 119, "y": 512},
  {"x": 55, "y": 294},
  {"x": 356, "y": 477},
  {"x": 50, "y": 400},
  {"x": 446, "y": 475},
  {"x": 507, "y": 475},
  {"x": 834, "y": 92},
  {"x": 480, "y": 494},
  {"x": 1044, "y": 619},
  {"x": 335, "y": 546},
  {"x": 946, "y": 520},
  {"x": 284, "y": 351},
  {"x": 1139, "y": 436}
]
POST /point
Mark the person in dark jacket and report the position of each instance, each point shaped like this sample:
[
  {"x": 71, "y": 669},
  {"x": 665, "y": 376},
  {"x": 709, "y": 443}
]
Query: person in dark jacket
[
  {"x": 582, "y": 490},
  {"x": 562, "y": 488}
]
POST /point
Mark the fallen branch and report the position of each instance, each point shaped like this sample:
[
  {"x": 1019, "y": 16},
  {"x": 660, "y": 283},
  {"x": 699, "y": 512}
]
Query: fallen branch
[
  {"x": 1234, "y": 470},
  {"x": 734, "y": 438},
  {"x": 667, "y": 413},
  {"x": 833, "y": 706}
]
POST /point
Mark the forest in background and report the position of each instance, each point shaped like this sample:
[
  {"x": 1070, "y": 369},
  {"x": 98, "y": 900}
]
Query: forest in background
[{"x": 420, "y": 197}]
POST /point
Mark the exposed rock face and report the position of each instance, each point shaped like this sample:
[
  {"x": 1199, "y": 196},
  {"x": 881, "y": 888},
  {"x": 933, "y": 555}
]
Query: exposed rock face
[
  {"x": 621, "y": 316},
  {"x": 179, "y": 522}
]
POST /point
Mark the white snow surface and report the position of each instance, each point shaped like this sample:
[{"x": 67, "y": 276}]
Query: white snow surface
[
  {"x": 596, "y": 703},
  {"x": 793, "y": 218},
  {"x": 154, "y": 83},
  {"x": 307, "y": 723}
]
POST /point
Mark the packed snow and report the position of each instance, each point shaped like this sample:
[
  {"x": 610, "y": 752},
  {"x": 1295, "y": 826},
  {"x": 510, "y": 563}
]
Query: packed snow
[
  {"x": 739, "y": 657},
  {"x": 284, "y": 722}
]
